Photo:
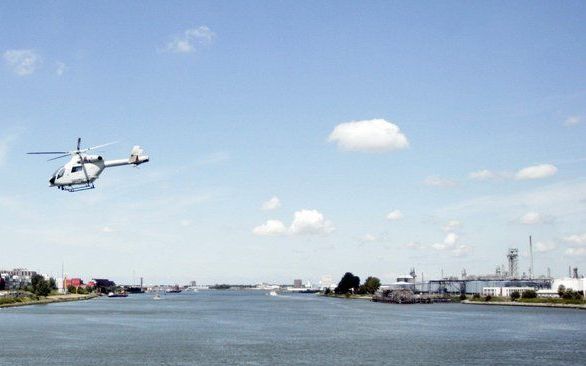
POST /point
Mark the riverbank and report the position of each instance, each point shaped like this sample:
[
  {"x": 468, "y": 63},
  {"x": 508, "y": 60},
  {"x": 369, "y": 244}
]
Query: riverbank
[
  {"x": 48, "y": 300},
  {"x": 352, "y": 297},
  {"x": 529, "y": 304}
]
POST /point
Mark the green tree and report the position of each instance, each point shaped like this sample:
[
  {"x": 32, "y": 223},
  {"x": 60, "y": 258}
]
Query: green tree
[
  {"x": 529, "y": 294},
  {"x": 561, "y": 290},
  {"x": 371, "y": 285},
  {"x": 40, "y": 287},
  {"x": 515, "y": 295},
  {"x": 52, "y": 284},
  {"x": 347, "y": 283}
]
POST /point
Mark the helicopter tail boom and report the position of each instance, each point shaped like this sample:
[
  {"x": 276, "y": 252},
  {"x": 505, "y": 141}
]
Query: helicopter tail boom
[{"x": 137, "y": 157}]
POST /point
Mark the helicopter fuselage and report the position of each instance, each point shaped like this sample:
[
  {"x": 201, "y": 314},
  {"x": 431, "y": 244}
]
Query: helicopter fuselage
[{"x": 72, "y": 177}]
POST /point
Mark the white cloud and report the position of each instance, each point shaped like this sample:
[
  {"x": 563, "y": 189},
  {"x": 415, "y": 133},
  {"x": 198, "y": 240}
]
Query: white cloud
[
  {"x": 60, "y": 68},
  {"x": 575, "y": 252},
  {"x": 531, "y": 218},
  {"x": 107, "y": 229},
  {"x": 375, "y": 135},
  {"x": 270, "y": 228},
  {"x": 23, "y": 62},
  {"x": 369, "y": 237},
  {"x": 452, "y": 225},
  {"x": 5, "y": 144},
  {"x": 482, "y": 175},
  {"x": 541, "y": 247},
  {"x": 190, "y": 39},
  {"x": 272, "y": 204},
  {"x": 573, "y": 120},
  {"x": 436, "y": 181},
  {"x": 452, "y": 246},
  {"x": 310, "y": 222},
  {"x": 451, "y": 239},
  {"x": 576, "y": 239},
  {"x": 536, "y": 172},
  {"x": 394, "y": 215},
  {"x": 415, "y": 245}
]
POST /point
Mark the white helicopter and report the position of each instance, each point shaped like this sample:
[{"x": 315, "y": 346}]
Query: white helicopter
[{"x": 83, "y": 169}]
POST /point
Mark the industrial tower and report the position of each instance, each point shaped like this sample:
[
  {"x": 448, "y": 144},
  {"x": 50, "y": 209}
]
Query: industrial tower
[{"x": 513, "y": 257}]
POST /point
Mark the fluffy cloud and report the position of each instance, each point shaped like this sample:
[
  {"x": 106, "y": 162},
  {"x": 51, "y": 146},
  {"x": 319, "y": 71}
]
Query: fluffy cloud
[
  {"x": 190, "y": 39},
  {"x": 394, "y": 215},
  {"x": 573, "y": 120},
  {"x": 272, "y": 204},
  {"x": 375, "y": 135},
  {"x": 531, "y": 218},
  {"x": 22, "y": 62},
  {"x": 369, "y": 237},
  {"x": 5, "y": 144},
  {"x": 576, "y": 252},
  {"x": 452, "y": 246},
  {"x": 482, "y": 175},
  {"x": 541, "y": 247},
  {"x": 536, "y": 172},
  {"x": 60, "y": 68},
  {"x": 576, "y": 239},
  {"x": 415, "y": 245},
  {"x": 310, "y": 222},
  {"x": 452, "y": 225},
  {"x": 305, "y": 222},
  {"x": 436, "y": 181},
  {"x": 270, "y": 228}
]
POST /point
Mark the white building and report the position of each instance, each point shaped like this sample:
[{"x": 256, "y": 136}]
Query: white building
[
  {"x": 576, "y": 284},
  {"x": 504, "y": 291}
]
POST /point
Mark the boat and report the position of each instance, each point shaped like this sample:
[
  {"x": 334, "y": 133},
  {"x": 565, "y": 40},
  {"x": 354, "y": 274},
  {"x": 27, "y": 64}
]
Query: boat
[
  {"x": 173, "y": 290},
  {"x": 273, "y": 293},
  {"x": 117, "y": 294},
  {"x": 157, "y": 297}
]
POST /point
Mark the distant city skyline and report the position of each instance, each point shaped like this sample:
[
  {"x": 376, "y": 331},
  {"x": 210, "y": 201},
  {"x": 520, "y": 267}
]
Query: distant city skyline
[{"x": 294, "y": 142}]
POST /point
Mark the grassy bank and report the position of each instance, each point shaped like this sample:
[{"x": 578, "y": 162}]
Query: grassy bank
[
  {"x": 38, "y": 300},
  {"x": 553, "y": 303}
]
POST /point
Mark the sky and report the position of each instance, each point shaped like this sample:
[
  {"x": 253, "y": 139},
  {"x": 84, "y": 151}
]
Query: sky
[{"x": 295, "y": 139}]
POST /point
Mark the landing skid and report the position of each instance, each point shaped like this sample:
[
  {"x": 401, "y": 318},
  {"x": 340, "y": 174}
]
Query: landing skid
[{"x": 84, "y": 187}]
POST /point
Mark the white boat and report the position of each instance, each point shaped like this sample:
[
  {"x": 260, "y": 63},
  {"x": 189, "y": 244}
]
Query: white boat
[
  {"x": 157, "y": 297},
  {"x": 273, "y": 293}
]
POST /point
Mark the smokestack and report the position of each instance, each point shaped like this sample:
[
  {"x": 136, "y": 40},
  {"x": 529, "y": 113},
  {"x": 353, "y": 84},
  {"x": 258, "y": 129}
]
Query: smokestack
[
  {"x": 575, "y": 272},
  {"x": 531, "y": 258}
]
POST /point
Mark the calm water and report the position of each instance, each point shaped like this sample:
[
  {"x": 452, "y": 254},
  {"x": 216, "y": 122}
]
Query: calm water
[{"x": 229, "y": 327}]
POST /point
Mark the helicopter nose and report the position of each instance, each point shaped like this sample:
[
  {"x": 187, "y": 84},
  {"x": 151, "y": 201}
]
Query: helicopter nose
[{"x": 52, "y": 181}]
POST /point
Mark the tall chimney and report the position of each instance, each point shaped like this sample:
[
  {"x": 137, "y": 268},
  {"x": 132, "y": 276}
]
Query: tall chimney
[{"x": 531, "y": 258}]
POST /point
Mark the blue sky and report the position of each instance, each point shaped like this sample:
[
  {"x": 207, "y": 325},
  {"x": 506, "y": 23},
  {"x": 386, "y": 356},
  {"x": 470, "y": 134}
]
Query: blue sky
[{"x": 240, "y": 102}]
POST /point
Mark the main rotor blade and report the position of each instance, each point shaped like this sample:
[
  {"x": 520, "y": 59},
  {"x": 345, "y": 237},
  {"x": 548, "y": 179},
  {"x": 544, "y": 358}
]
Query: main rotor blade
[
  {"x": 87, "y": 178},
  {"x": 78, "y": 143},
  {"x": 47, "y": 152},
  {"x": 98, "y": 146},
  {"x": 59, "y": 157}
]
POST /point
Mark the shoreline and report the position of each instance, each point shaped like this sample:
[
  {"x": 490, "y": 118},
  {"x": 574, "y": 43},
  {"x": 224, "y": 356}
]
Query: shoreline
[
  {"x": 51, "y": 300},
  {"x": 530, "y": 304}
]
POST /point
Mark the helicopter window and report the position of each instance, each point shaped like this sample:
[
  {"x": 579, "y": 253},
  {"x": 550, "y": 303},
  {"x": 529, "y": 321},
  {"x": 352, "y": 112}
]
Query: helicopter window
[
  {"x": 76, "y": 169},
  {"x": 60, "y": 173}
]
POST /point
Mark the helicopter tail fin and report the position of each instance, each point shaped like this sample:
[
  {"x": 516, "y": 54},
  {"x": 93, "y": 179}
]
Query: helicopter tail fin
[{"x": 137, "y": 156}]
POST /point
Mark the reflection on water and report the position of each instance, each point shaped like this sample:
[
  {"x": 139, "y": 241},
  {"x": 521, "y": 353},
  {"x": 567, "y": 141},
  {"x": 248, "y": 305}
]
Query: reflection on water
[{"x": 230, "y": 327}]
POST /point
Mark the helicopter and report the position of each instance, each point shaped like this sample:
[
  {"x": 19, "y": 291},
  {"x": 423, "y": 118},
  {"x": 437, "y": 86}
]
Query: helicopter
[{"x": 83, "y": 169}]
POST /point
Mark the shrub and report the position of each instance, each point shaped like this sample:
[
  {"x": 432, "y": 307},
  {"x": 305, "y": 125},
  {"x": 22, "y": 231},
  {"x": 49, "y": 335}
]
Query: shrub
[
  {"x": 463, "y": 297},
  {"x": 488, "y": 298},
  {"x": 476, "y": 297},
  {"x": 515, "y": 295},
  {"x": 529, "y": 294}
]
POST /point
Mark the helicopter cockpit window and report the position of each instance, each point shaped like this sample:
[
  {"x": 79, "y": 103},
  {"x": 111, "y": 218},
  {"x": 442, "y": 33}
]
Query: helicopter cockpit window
[
  {"x": 76, "y": 169},
  {"x": 60, "y": 173}
]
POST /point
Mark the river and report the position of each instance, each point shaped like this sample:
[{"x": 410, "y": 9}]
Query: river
[{"x": 251, "y": 328}]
